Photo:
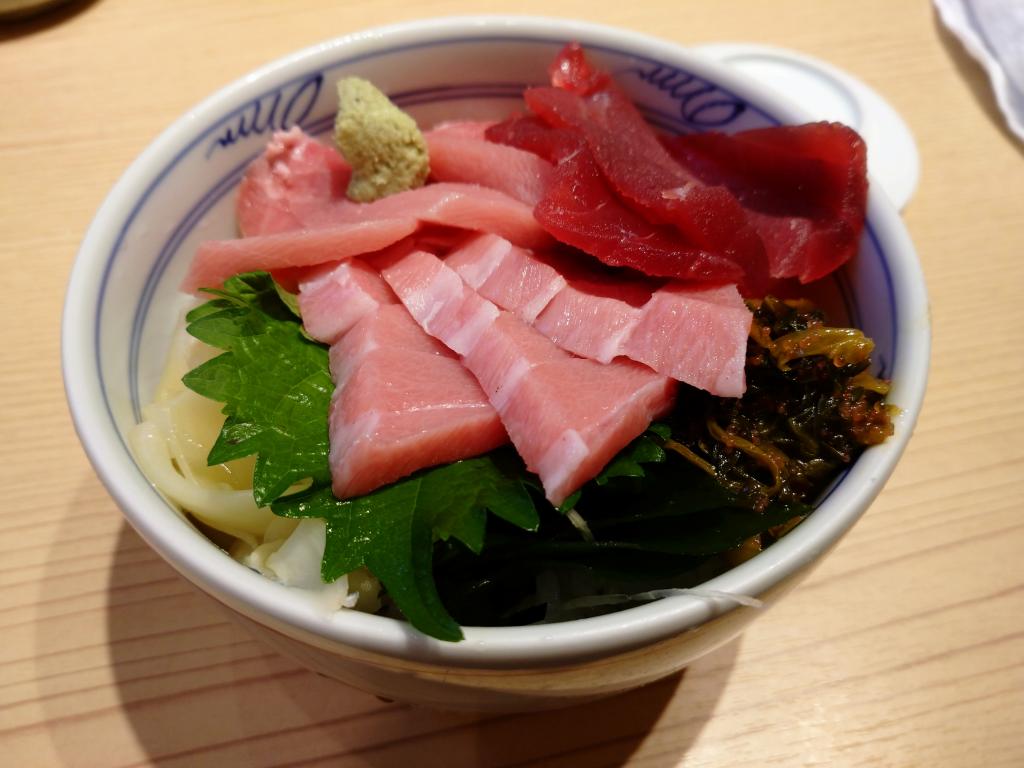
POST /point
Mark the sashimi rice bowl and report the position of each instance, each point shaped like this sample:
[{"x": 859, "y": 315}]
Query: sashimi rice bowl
[{"x": 495, "y": 362}]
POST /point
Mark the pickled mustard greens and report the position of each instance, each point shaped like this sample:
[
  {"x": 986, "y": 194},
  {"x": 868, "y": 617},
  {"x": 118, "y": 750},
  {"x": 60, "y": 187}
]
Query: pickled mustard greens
[
  {"x": 713, "y": 483},
  {"x": 810, "y": 407}
]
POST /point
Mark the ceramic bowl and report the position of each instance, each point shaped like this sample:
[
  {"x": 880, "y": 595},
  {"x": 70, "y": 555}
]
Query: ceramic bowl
[{"x": 122, "y": 302}]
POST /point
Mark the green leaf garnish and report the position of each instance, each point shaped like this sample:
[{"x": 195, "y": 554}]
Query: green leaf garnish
[
  {"x": 274, "y": 383},
  {"x": 391, "y": 530}
]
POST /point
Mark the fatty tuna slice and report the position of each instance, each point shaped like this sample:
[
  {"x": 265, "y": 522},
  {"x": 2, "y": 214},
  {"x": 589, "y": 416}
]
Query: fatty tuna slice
[
  {"x": 588, "y": 324},
  {"x": 511, "y": 277},
  {"x": 402, "y": 402},
  {"x": 694, "y": 334},
  {"x": 334, "y": 299},
  {"x": 294, "y": 179},
  {"x": 566, "y": 416},
  {"x": 453, "y": 204},
  {"x": 217, "y": 260},
  {"x": 521, "y": 175},
  {"x": 467, "y": 129}
]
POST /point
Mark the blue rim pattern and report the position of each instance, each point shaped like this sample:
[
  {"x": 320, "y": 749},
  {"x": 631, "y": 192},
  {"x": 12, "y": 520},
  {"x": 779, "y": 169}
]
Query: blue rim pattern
[{"x": 228, "y": 181}]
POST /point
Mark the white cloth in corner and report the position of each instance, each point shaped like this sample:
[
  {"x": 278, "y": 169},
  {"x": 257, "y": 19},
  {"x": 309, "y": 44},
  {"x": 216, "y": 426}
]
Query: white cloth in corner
[{"x": 992, "y": 31}]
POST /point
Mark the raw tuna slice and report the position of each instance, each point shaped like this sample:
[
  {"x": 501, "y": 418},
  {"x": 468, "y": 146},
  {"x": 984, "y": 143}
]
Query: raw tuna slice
[
  {"x": 335, "y": 298},
  {"x": 692, "y": 333},
  {"x": 403, "y": 403},
  {"x": 589, "y": 324},
  {"x": 467, "y": 129},
  {"x": 217, "y": 260},
  {"x": 291, "y": 182},
  {"x": 697, "y": 335},
  {"x": 646, "y": 176},
  {"x": 581, "y": 210},
  {"x": 805, "y": 189},
  {"x": 519, "y": 174},
  {"x": 466, "y": 206},
  {"x": 566, "y": 416},
  {"x": 530, "y": 133},
  {"x": 511, "y": 277}
]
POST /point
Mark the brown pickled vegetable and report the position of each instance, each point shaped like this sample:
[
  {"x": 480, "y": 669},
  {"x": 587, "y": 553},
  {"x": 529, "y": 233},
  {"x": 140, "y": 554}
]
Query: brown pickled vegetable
[{"x": 811, "y": 406}]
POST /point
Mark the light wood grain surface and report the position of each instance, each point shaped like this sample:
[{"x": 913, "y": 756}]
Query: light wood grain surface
[{"x": 905, "y": 648}]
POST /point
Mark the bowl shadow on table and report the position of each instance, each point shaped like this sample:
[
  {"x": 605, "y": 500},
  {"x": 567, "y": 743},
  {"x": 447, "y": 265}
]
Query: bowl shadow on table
[
  {"x": 217, "y": 697},
  {"x": 974, "y": 75}
]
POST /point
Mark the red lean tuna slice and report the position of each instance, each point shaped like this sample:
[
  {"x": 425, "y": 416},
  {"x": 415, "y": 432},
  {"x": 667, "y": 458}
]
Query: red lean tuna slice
[
  {"x": 403, "y": 402},
  {"x": 580, "y": 209},
  {"x": 511, "y": 277},
  {"x": 352, "y": 229},
  {"x": 334, "y": 299},
  {"x": 644, "y": 175},
  {"x": 293, "y": 180},
  {"x": 530, "y": 133},
  {"x": 804, "y": 187},
  {"x": 519, "y": 174},
  {"x": 566, "y": 416}
]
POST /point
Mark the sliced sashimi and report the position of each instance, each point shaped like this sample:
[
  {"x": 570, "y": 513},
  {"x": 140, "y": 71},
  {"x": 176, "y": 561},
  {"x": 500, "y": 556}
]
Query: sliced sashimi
[
  {"x": 294, "y": 179},
  {"x": 580, "y": 209},
  {"x": 217, "y": 260},
  {"x": 335, "y": 298},
  {"x": 511, "y": 277},
  {"x": 804, "y": 186},
  {"x": 696, "y": 335},
  {"x": 566, "y": 416},
  {"x": 438, "y": 299},
  {"x": 588, "y": 324},
  {"x": 521, "y": 175},
  {"x": 400, "y": 411},
  {"x": 530, "y": 133},
  {"x": 644, "y": 175},
  {"x": 466, "y": 206},
  {"x": 392, "y": 328},
  {"x": 402, "y": 400},
  {"x": 467, "y": 129}
]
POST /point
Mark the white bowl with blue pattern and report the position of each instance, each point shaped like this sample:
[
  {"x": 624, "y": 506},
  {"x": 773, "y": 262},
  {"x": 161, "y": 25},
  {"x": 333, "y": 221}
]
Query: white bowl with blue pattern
[{"x": 122, "y": 304}]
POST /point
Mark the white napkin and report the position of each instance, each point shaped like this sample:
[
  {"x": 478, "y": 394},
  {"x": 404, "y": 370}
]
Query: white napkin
[{"x": 992, "y": 31}]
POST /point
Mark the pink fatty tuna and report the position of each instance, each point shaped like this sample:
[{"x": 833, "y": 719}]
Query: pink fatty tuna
[
  {"x": 294, "y": 179},
  {"x": 217, "y": 260},
  {"x": 353, "y": 229},
  {"x": 402, "y": 400},
  {"x": 511, "y": 277},
  {"x": 694, "y": 334},
  {"x": 336, "y": 297},
  {"x": 467, "y": 129},
  {"x": 519, "y": 174},
  {"x": 566, "y": 416}
]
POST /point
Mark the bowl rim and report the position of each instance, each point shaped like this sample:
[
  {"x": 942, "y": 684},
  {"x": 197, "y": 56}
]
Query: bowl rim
[{"x": 275, "y": 606}]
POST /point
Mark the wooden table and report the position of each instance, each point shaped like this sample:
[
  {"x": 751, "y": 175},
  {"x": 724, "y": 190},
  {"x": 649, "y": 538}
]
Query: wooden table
[{"x": 905, "y": 648}]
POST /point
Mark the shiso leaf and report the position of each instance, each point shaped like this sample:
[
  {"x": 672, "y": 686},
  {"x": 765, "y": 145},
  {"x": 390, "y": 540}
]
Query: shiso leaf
[
  {"x": 276, "y": 388},
  {"x": 274, "y": 383},
  {"x": 391, "y": 530}
]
